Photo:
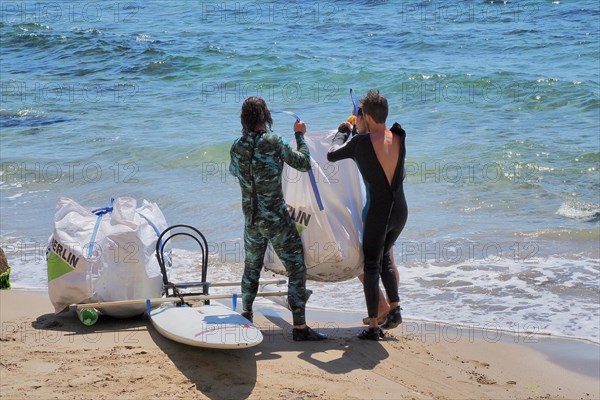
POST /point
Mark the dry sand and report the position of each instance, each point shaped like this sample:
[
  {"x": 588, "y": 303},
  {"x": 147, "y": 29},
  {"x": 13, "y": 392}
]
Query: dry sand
[{"x": 44, "y": 356}]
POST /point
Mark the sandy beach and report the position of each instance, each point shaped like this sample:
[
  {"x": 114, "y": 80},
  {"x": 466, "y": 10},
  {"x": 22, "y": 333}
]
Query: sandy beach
[{"x": 44, "y": 356}]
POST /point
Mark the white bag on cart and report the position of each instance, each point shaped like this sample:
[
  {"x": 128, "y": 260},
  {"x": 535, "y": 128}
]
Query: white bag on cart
[
  {"x": 327, "y": 209},
  {"x": 106, "y": 254}
]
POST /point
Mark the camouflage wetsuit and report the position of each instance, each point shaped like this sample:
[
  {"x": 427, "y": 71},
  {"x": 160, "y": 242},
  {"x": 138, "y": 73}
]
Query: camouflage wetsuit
[{"x": 257, "y": 161}]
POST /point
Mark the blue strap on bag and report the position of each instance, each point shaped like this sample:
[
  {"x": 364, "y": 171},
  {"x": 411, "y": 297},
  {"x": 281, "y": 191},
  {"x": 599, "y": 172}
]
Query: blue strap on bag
[
  {"x": 100, "y": 213},
  {"x": 311, "y": 175}
]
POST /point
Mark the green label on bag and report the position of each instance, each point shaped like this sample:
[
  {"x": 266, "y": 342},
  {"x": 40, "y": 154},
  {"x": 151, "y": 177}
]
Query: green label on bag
[{"x": 57, "y": 266}]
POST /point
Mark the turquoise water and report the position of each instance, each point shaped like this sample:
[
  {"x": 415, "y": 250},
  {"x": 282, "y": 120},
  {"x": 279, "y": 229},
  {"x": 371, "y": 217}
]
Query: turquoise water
[{"x": 500, "y": 101}]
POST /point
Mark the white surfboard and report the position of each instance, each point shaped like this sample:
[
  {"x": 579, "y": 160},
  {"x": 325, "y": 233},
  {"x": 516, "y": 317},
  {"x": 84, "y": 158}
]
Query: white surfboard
[{"x": 211, "y": 326}]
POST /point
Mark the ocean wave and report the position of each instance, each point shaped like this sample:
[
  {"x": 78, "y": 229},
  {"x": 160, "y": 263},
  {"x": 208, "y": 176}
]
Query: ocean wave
[
  {"x": 32, "y": 26},
  {"x": 142, "y": 37},
  {"x": 28, "y": 118},
  {"x": 554, "y": 295},
  {"x": 579, "y": 210},
  {"x": 563, "y": 234}
]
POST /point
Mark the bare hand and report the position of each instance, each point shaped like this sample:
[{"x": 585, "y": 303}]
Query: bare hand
[{"x": 300, "y": 127}]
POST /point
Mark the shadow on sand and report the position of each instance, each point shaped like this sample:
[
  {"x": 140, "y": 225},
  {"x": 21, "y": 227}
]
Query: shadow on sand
[{"x": 217, "y": 373}]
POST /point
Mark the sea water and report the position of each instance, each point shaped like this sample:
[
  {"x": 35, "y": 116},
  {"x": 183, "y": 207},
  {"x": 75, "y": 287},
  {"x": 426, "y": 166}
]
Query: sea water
[{"x": 500, "y": 102}]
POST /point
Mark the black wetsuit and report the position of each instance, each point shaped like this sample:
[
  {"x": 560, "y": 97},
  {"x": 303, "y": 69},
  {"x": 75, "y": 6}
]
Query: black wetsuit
[{"x": 384, "y": 215}]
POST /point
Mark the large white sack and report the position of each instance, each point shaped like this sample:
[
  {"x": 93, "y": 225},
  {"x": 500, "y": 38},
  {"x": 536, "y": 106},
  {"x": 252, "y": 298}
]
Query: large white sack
[
  {"x": 331, "y": 237},
  {"x": 109, "y": 257}
]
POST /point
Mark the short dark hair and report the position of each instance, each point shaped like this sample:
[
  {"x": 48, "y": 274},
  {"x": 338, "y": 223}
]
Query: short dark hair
[
  {"x": 255, "y": 114},
  {"x": 376, "y": 106}
]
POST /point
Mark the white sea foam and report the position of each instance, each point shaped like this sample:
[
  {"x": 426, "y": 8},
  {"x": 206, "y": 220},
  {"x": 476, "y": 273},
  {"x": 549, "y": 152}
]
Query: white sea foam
[
  {"x": 555, "y": 296},
  {"x": 579, "y": 210},
  {"x": 14, "y": 196}
]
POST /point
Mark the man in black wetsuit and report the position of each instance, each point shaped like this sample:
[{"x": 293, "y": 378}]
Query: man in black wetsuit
[{"x": 379, "y": 153}]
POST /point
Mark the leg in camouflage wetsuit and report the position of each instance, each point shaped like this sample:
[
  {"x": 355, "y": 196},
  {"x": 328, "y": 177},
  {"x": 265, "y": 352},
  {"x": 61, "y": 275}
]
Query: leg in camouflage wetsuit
[{"x": 287, "y": 244}]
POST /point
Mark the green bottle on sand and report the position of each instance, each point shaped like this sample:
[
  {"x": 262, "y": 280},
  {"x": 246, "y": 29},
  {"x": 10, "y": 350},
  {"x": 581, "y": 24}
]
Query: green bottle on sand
[{"x": 88, "y": 316}]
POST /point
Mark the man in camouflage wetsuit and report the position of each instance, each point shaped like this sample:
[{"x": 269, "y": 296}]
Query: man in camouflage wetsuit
[{"x": 257, "y": 161}]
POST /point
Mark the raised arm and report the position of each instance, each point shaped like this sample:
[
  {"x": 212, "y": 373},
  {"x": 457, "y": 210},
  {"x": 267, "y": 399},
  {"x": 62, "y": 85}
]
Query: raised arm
[
  {"x": 340, "y": 147},
  {"x": 298, "y": 159}
]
